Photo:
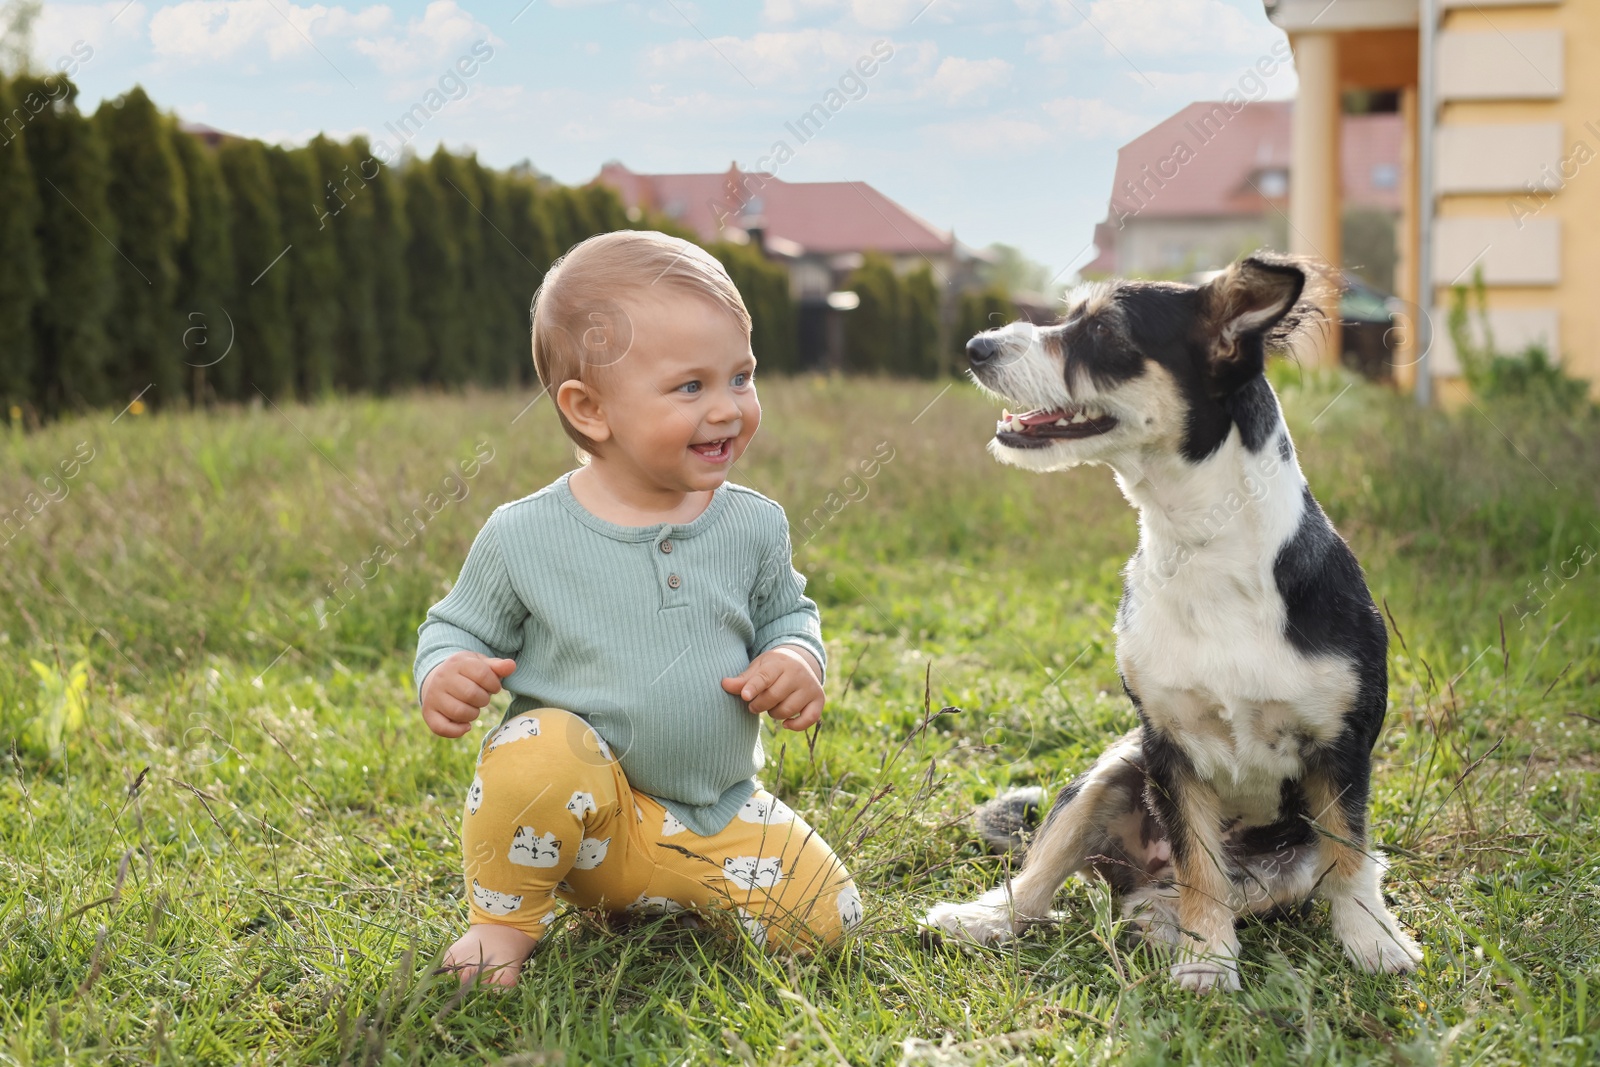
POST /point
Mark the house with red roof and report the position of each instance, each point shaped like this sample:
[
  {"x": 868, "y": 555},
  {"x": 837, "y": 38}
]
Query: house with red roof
[
  {"x": 1212, "y": 182},
  {"x": 817, "y": 230}
]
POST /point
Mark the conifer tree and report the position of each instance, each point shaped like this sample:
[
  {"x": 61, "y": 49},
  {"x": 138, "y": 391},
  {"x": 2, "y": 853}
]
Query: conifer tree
[
  {"x": 261, "y": 361},
  {"x": 923, "y": 356},
  {"x": 349, "y": 212},
  {"x": 71, "y": 175},
  {"x": 401, "y": 348},
  {"x": 570, "y": 214},
  {"x": 21, "y": 267},
  {"x": 507, "y": 266},
  {"x": 531, "y": 231},
  {"x": 603, "y": 207},
  {"x": 150, "y": 206},
  {"x": 434, "y": 260},
  {"x": 470, "y": 332},
  {"x": 875, "y": 328},
  {"x": 312, "y": 266},
  {"x": 205, "y": 273}
]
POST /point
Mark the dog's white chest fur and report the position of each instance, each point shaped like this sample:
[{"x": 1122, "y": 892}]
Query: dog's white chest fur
[{"x": 1200, "y": 637}]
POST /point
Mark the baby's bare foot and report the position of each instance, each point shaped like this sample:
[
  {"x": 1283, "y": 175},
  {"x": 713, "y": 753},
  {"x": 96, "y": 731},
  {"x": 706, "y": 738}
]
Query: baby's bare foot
[{"x": 493, "y": 954}]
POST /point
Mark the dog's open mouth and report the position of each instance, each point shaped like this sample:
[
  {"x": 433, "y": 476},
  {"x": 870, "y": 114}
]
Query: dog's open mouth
[{"x": 1038, "y": 428}]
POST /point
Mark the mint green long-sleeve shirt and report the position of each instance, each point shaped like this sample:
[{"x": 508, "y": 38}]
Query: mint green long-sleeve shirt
[{"x": 633, "y": 628}]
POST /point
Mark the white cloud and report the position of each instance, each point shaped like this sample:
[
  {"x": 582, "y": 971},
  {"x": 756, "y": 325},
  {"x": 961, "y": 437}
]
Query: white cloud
[
  {"x": 219, "y": 29},
  {"x": 892, "y": 15},
  {"x": 795, "y": 59},
  {"x": 662, "y": 106},
  {"x": 1214, "y": 85},
  {"x": 1062, "y": 121},
  {"x": 887, "y": 14},
  {"x": 444, "y": 32},
  {"x": 1136, "y": 28},
  {"x": 1095, "y": 119},
  {"x": 790, "y": 10},
  {"x": 497, "y": 101},
  {"x": 991, "y": 135},
  {"x": 234, "y": 30},
  {"x": 60, "y": 26},
  {"x": 958, "y": 78}
]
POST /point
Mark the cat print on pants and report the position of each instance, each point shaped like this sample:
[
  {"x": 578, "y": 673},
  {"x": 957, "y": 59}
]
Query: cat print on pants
[
  {"x": 850, "y": 906},
  {"x": 648, "y": 905},
  {"x": 528, "y": 849},
  {"x": 766, "y": 810},
  {"x": 591, "y": 852},
  {"x": 493, "y": 902},
  {"x": 754, "y": 927},
  {"x": 519, "y": 729},
  {"x": 752, "y": 872}
]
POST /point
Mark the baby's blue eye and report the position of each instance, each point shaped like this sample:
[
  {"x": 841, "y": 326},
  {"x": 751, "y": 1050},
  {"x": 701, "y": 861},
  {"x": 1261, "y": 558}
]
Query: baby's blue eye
[
  {"x": 740, "y": 380},
  {"x": 689, "y": 387}
]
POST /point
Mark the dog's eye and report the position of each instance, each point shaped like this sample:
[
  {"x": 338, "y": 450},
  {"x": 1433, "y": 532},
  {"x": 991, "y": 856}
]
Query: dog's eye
[{"x": 1100, "y": 328}]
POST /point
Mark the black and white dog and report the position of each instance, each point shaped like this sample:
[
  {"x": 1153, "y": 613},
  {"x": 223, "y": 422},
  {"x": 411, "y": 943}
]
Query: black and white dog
[{"x": 1246, "y": 637}]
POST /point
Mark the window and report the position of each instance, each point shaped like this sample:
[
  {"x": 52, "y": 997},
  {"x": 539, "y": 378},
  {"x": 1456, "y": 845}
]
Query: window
[{"x": 1273, "y": 183}]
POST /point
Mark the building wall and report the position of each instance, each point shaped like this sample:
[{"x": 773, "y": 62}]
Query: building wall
[
  {"x": 1147, "y": 246},
  {"x": 1520, "y": 104}
]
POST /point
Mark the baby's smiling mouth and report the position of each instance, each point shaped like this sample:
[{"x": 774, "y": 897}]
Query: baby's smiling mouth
[{"x": 715, "y": 451}]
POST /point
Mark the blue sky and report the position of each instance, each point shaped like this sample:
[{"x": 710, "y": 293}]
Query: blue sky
[{"x": 1000, "y": 119}]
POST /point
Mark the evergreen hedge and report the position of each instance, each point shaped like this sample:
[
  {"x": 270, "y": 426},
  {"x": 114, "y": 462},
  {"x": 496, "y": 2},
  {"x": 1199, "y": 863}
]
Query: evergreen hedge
[{"x": 137, "y": 260}]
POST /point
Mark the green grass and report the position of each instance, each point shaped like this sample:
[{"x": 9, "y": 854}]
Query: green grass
[{"x": 246, "y": 849}]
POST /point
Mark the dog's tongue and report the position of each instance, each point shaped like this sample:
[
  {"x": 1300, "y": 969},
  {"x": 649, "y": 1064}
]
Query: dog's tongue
[{"x": 1041, "y": 417}]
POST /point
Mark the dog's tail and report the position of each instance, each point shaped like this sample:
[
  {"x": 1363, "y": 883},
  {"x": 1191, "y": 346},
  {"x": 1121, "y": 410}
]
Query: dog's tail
[{"x": 1006, "y": 822}]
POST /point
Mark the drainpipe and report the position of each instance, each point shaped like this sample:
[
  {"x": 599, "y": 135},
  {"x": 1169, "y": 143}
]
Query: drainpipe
[{"x": 1427, "y": 113}]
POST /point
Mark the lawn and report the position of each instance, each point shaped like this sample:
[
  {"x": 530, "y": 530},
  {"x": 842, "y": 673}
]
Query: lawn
[{"x": 227, "y": 836}]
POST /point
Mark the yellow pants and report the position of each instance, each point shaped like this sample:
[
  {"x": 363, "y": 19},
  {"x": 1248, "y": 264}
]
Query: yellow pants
[{"x": 550, "y": 816}]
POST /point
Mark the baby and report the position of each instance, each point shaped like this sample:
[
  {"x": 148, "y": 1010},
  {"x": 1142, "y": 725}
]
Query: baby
[{"x": 644, "y": 612}]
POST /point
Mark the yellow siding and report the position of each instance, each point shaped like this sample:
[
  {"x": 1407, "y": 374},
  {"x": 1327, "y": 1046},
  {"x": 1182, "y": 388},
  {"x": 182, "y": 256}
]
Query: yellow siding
[{"x": 1577, "y": 205}]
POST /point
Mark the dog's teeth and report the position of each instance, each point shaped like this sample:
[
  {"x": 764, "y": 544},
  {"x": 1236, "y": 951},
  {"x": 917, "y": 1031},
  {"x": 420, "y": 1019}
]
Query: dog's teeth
[
  {"x": 1061, "y": 422},
  {"x": 1079, "y": 417}
]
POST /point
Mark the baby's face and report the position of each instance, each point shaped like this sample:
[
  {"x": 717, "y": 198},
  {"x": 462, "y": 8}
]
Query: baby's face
[{"x": 681, "y": 405}]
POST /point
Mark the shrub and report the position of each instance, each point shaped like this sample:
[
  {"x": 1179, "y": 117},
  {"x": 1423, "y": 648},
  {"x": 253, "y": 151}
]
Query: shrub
[{"x": 1530, "y": 376}]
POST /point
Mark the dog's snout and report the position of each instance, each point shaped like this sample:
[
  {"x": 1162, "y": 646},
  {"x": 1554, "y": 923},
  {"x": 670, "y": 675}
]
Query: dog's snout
[{"x": 981, "y": 349}]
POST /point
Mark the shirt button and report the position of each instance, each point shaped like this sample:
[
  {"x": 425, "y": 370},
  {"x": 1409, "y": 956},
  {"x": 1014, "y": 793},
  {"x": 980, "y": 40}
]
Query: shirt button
[
  {"x": 673, "y": 581},
  {"x": 666, "y": 546}
]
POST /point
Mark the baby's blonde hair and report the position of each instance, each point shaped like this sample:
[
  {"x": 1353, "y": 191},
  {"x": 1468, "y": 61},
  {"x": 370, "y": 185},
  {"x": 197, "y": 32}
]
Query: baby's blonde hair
[{"x": 579, "y": 321}]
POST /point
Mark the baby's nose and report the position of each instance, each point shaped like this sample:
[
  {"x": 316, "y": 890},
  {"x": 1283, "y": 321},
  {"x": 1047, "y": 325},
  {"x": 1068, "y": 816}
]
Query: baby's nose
[{"x": 726, "y": 410}]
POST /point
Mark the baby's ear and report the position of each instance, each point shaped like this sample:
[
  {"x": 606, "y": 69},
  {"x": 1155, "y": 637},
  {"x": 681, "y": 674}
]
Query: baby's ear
[
  {"x": 580, "y": 404},
  {"x": 1240, "y": 308}
]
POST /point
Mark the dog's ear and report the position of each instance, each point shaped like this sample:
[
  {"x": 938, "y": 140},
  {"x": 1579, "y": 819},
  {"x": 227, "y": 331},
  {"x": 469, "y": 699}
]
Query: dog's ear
[{"x": 1240, "y": 307}]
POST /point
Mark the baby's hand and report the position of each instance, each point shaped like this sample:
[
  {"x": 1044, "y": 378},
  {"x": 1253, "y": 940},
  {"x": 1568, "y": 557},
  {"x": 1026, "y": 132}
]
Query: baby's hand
[
  {"x": 783, "y": 682},
  {"x": 456, "y": 690}
]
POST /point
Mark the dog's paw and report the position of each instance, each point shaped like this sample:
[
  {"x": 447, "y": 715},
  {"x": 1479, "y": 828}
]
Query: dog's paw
[
  {"x": 982, "y": 922},
  {"x": 1379, "y": 950},
  {"x": 1373, "y": 939},
  {"x": 1206, "y": 976}
]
